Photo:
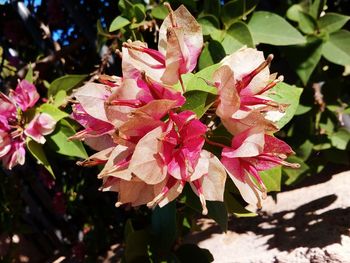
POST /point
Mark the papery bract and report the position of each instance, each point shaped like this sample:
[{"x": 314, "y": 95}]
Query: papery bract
[
  {"x": 16, "y": 155},
  {"x": 243, "y": 81},
  {"x": 180, "y": 43},
  {"x": 253, "y": 151},
  {"x": 42, "y": 124},
  {"x": 25, "y": 95},
  {"x": 7, "y": 107}
]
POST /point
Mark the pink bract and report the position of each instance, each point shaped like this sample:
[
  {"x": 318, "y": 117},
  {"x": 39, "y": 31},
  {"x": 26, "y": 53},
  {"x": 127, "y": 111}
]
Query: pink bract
[
  {"x": 25, "y": 95},
  {"x": 253, "y": 151},
  {"x": 243, "y": 81},
  {"x": 42, "y": 124}
]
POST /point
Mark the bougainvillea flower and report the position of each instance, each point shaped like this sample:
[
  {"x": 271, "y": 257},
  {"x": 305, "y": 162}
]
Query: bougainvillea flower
[
  {"x": 243, "y": 82},
  {"x": 25, "y": 95},
  {"x": 93, "y": 127},
  {"x": 180, "y": 43},
  {"x": 92, "y": 97},
  {"x": 42, "y": 124},
  {"x": 171, "y": 155},
  {"x": 134, "y": 191},
  {"x": 181, "y": 39},
  {"x": 7, "y": 107},
  {"x": 253, "y": 151},
  {"x": 5, "y": 143},
  {"x": 16, "y": 155}
]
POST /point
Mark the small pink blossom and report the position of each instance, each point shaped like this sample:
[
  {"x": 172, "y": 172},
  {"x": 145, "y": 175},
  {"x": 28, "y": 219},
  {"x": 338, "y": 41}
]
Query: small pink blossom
[
  {"x": 25, "y": 95},
  {"x": 16, "y": 155},
  {"x": 243, "y": 82},
  {"x": 171, "y": 155},
  {"x": 180, "y": 43},
  {"x": 7, "y": 107},
  {"x": 42, "y": 124},
  {"x": 253, "y": 151}
]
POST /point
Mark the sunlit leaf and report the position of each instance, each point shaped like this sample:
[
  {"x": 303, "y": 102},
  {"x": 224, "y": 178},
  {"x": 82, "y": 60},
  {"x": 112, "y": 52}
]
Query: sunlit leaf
[
  {"x": 36, "y": 149},
  {"x": 118, "y": 23},
  {"x": 337, "y": 48},
  {"x": 270, "y": 28},
  {"x": 59, "y": 142}
]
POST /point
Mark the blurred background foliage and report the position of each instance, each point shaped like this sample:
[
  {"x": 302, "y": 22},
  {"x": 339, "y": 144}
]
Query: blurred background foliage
[{"x": 59, "y": 43}]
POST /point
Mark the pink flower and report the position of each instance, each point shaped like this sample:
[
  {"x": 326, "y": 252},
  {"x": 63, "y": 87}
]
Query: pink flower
[
  {"x": 7, "y": 107},
  {"x": 25, "y": 95},
  {"x": 42, "y": 124},
  {"x": 180, "y": 43},
  {"x": 253, "y": 151},
  {"x": 243, "y": 82},
  {"x": 16, "y": 155},
  {"x": 5, "y": 143},
  {"x": 171, "y": 155}
]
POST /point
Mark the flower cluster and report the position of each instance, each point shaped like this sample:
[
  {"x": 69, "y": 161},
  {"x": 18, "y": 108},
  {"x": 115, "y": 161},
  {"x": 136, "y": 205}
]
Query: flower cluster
[
  {"x": 16, "y": 123},
  {"x": 150, "y": 148}
]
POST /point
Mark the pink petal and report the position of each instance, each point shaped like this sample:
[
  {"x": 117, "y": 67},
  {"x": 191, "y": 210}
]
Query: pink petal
[
  {"x": 42, "y": 124},
  {"x": 7, "y": 107},
  {"x": 242, "y": 63},
  {"x": 192, "y": 35},
  {"x": 246, "y": 144},
  {"x": 15, "y": 156},
  {"x": 146, "y": 163},
  {"x": 228, "y": 96},
  {"x": 25, "y": 95},
  {"x": 138, "y": 58},
  {"x": 92, "y": 97},
  {"x": 5, "y": 143}
]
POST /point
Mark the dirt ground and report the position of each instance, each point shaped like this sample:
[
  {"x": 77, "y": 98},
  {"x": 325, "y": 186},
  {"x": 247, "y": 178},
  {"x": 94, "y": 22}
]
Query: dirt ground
[{"x": 307, "y": 224}]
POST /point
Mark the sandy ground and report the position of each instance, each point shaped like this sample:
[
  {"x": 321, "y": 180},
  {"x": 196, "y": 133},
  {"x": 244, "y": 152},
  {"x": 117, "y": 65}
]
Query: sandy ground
[{"x": 308, "y": 224}]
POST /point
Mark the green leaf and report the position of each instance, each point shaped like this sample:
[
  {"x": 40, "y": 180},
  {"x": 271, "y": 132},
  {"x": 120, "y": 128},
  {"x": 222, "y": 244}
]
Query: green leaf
[
  {"x": 164, "y": 226},
  {"x": 140, "y": 12},
  {"x": 216, "y": 209},
  {"x": 198, "y": 102},
  {"x": 212, "y": 53},
  {"x": 316, "y": 8},
  {"x": 60, "y": 98},
  {"x": 211, "y": 26},
  {"x": 126, "y": 8},
  {"x": 212, "y": 7},
  {"x": 189, "y": 253},
  {"x": 332, "y": 22},
  {"x": 234, "y": 207},
  {"x": 159, "y": 12},
  {"x": 286, "y": 94},
  {"x": 55, "y": 113},
  {"x": 270, "y": 28},
  {"x": 30, "y": 74},
  {"x": 36, "y": 149},
  {"x": 235, "y": 10},
  {"x": 272, "y": 179},
  {"x": 337, "y": 48},
  {"x": 293, "y": 12},
  {"x": 118, "y": 23},
  {"x": 198, "y": 80},
  {"x": 58, "y": 140},
  {"x": 340, "y": 139},
  {"x": 65, "y": 83},
  {"x": 136, "y": 247},
  {"x": 307, "y": 23},
  {"x": 302, "y": 109},
  {"x": 292, "y": 175},
  {"x": 304, "y": 151},
  {"x": 237, "y": 36},
  {"x": 304, "y": 58}
]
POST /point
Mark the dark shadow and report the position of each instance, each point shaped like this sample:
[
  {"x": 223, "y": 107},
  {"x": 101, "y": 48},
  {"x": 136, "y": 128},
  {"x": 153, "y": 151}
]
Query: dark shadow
[{"x": 301, "y": 227}]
